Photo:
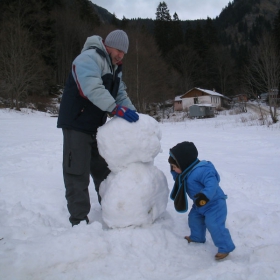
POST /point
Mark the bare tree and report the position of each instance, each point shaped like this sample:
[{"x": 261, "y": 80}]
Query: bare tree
[
  {"x": 186, "y": 61},
  {"x": 145, "y": 72},
  {"x": 70, "y": 38},
  {"x": 223, "y": 66},
  {"x": 21, "y": 69},
  {"x": 263, "y": 71}
]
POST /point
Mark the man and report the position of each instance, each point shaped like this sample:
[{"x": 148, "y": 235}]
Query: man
[{"x": 93, "y": 89}]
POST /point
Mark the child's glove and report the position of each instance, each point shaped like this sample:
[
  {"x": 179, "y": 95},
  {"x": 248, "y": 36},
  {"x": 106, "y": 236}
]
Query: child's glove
[
  {"x": 125, "y": 113},
  {"x": 201, "y": 199}
]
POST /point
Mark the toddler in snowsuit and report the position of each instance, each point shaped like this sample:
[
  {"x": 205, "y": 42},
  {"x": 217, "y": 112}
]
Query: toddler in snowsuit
[{"x": 200, "y": 180}]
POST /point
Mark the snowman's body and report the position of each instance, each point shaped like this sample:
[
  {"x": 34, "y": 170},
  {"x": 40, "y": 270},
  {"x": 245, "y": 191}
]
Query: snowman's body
[{"x": 136, "y": 192}]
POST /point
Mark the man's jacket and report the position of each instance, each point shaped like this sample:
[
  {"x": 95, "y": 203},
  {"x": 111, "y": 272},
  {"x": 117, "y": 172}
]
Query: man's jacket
[{"x": 94, "y": 88}]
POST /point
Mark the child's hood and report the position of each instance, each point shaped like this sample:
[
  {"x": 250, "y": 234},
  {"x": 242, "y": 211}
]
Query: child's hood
[{"x": 184, "y": 153}]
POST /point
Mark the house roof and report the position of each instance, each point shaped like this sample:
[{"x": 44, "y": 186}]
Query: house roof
[
  {"x": 207, "y": 91},
  {"x": 211, "y": 92},
  {"x": 178, "y": 98}
]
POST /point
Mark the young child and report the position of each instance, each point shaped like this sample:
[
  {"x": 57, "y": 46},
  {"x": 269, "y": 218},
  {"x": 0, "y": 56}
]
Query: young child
[{"x": 200, "y": 180}]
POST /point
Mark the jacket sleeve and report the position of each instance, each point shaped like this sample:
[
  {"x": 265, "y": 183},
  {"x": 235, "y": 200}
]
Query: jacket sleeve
[
  {"x": 210, "y": 180},
  {"x": 87, "y": 72},
  {"x": 122, "y": 98}
]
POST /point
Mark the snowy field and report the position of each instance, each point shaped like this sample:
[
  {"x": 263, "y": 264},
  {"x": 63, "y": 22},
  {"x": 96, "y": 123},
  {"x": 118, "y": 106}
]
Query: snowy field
[{"x": 38, "y": 242}]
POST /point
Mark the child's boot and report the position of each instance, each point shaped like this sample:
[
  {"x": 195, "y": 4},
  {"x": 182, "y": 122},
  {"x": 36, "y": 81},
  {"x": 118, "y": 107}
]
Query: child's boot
[
  {"x": 188, "y": 238},
  {"x": 220, "y": 256}
]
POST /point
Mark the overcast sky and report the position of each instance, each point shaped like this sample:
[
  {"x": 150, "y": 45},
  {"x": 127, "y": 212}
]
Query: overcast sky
[{"x": 185, "y": 9}]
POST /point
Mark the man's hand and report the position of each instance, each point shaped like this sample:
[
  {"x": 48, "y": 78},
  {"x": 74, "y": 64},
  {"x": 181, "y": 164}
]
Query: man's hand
[{"x": 125, "y": 113}]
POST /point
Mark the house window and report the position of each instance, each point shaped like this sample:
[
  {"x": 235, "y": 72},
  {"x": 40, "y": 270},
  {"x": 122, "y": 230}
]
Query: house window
[
  {"x": 214, "y": 100},
  {"x": 195, "y": 100}
]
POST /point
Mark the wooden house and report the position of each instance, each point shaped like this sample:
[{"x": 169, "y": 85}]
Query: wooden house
[{"x": 202, "y": 96}]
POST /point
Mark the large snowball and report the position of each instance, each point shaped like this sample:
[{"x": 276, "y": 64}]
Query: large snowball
[
  {"x": 135, "y": 196},
  {"x": 122, "y": 143}
]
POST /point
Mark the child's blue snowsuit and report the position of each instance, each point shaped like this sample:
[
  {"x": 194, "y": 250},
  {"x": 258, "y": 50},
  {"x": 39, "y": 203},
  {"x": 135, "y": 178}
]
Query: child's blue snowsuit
[{"x": 203, "y": 178}]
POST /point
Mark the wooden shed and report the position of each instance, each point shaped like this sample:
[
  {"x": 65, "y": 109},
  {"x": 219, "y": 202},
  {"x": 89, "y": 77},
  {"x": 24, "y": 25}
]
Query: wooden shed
[
  {"x": 201, "y": 111},
  {"x": 178, "y": 104}
]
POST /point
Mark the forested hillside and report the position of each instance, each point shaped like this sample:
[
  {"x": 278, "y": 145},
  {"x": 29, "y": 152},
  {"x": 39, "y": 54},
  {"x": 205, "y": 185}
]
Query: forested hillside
[{"x": 166, "y": 57}]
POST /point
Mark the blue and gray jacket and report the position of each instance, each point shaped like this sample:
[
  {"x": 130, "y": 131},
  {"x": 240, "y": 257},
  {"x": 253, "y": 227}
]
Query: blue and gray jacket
[{"x": 94, "y": 88}]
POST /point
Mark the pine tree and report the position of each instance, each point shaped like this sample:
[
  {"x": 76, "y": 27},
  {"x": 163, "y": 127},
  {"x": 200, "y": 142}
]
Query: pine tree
[
  {"x": 210, "y": 33},
  {"x": 189, "y": 34},
  {"x": 276, "y": 29},
  {"x": 177, "y": 35},
  {"x": 114, "y": 20},
  {"x": 162, "y": 13},
  {"x": 199, "y": 43},
  {"x": 162, "y": 31},
  {"x": 276, "y": 34},
  {"x": 124, "y": 23},
  {"x": 87, "y": 12}
]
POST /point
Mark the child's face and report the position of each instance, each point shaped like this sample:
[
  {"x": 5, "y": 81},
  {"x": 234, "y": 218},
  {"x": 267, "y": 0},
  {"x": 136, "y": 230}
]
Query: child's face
[{"x": 176, "y": 168}]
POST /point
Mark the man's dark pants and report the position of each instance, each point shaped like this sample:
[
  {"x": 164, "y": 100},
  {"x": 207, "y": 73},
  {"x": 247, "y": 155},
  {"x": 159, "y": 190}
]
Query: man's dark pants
[{"x": 80, "y": 160}]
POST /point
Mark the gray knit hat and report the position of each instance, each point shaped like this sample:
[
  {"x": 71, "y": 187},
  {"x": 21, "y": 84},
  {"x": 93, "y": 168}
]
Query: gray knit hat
[{"x": 118, "y": 40}]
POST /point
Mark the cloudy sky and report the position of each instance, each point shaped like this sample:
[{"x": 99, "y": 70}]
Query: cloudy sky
[{"x": 186, "y": 9}]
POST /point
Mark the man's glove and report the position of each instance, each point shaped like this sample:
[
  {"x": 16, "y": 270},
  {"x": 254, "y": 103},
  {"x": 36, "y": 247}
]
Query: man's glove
[
  {"x": 201, "y": 199},
  {"x": 125, "y": 113}
]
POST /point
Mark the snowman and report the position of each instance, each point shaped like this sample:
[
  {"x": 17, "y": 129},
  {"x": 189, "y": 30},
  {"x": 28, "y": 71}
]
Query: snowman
[{"x": 136, "y": 192}]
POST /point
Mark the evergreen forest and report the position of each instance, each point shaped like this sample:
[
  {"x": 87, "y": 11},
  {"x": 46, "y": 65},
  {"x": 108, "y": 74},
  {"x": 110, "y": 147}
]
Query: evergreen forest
[{"x": 235, "y": 53}]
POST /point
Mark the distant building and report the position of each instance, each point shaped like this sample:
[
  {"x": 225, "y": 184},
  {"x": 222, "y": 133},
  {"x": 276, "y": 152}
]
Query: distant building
[
  {"x": 178, "y": 104},
  {"x": 270, "y": 96},
  {"x": 240, "y": 98},
  {"x": 199, "y": 96}
]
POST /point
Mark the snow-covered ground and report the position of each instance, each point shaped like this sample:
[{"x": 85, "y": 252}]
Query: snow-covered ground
[{"x": 38, "y": 242}]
